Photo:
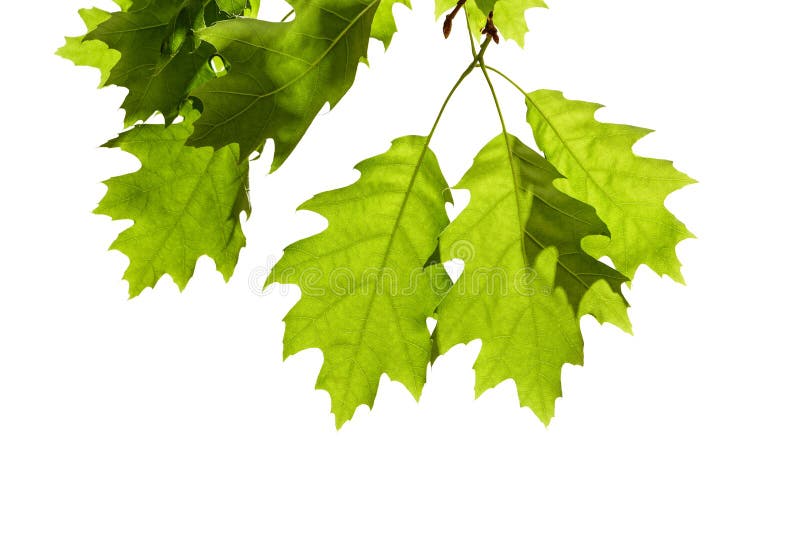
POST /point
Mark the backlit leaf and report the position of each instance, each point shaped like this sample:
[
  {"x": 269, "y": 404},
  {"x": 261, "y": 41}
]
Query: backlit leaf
[
  {"x": 280, "y": 75},
  {"x": 627, "y": 190},
  {"x": 366, "y": 291},
  {"x": 184, "y": 202},
  {"x": 507, "y": 295}
]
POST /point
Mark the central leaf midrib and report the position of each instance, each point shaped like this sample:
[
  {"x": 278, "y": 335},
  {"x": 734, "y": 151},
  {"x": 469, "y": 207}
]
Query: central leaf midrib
[{"x": 395, "y": 228}]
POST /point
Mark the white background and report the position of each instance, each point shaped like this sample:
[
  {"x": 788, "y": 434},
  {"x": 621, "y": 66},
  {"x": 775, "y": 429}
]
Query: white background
[{"x": 174, "y": 413}]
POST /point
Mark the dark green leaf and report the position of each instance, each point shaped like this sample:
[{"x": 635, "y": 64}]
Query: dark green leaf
[{"x": 280, "y": 75}]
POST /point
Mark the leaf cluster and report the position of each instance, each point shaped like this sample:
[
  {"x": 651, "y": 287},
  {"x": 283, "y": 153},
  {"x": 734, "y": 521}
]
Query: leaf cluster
[{"x": 532, "y": 238}]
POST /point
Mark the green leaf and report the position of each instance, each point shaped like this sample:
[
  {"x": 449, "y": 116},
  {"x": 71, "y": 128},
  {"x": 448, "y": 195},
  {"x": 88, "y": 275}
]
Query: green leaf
[
  {"x": 509, "y": 16},
  {"x": 239, "y": 7},
  {"x": 91, "y": 53},
  {"x": 280, "y": 75},
  {"x": 383, "y": 25},
  {"x": 627, "y": 190},
  {"x": 160, "y": 60},
  {"x": 366, "y": 291},
  {"x": 532, "y": 236},
  {"x": 184, "y": 202},
  {"x": 508, "y": 294},
  {"x": 560, "y": 221}
]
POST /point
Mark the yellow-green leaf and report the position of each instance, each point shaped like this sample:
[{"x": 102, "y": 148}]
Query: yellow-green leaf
[
  {"x": 507, "y": 295},
  {"x": 601, "y": 169},
  {"x": 184, "y": 202},
  {"x": 366, "y": 289}
]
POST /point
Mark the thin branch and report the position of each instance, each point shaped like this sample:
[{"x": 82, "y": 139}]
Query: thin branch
[
  {"x": 475, "y": 62},
  {"x": 494, "y": 94},
  {"x": 508, "y": 79},
  {"x": 469, "y": 35}
]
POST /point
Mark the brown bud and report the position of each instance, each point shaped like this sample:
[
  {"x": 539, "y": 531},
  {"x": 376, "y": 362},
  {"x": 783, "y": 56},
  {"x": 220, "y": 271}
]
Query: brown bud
[
  {"x": 448, "y": 20},
  {"x": 490, "y": 29}
]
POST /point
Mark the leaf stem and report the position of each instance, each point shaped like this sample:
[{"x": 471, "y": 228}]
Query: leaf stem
[
  {"x": 477, "y": 60},
  {"x": 469, "y": 35},
  {"x": 286, "y": 16},
  {"x": 484, "y": 69},
  {"x": 508, "y": 79},
  {"x": 528, "y": 99}
]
